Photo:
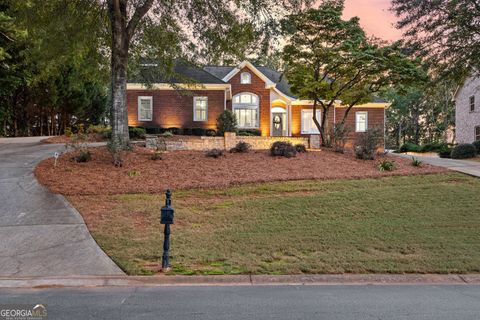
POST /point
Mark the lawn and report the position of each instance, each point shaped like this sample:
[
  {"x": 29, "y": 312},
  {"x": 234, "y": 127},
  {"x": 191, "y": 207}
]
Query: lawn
[{"x": 411, "y": 224}]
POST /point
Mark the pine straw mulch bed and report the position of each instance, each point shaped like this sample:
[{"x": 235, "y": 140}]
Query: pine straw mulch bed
[
  {"x": 192, "y": 169},
  {"x": 64, "y": 139}
]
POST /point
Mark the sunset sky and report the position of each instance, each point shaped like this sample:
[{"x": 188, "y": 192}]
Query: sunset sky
[{"x": 375, "y": 17}]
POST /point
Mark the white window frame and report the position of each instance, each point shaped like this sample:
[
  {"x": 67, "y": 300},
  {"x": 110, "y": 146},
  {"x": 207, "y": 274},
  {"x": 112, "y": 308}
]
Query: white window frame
[
  {"x": 476, "y": 134},
  {"x": 247, "y": 80},
  {"x": 139, "y": 105},
  {"x": 471, "y": 103},
  {"x": 357, "y": 122},
  {"x": 195, "y": 99},
  {"x": 302, "y": 125},
  {"x": 251, "y": 106}
]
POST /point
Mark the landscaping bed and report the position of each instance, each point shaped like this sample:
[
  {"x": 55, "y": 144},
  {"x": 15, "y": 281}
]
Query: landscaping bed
[
  {"x": 192, "y": 169},
  {"x": 414, "y": 224}
]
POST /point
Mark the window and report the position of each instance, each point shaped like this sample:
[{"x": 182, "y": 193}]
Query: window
[
  {"x": 308, "y": 126},
  {"x": 477, "y": 133},
  {"x": 472, "y": 103},
  {"x": 200, "y": 109},
  {"x": 245, "y": 106},
  {"x": 145, "y": 108},
  {"x": 361, "y": 121},
  {"x": 245, "y": 78}
]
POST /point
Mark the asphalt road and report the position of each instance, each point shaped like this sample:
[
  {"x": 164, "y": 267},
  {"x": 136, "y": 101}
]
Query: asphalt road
[{"x": 256, "y": 302}]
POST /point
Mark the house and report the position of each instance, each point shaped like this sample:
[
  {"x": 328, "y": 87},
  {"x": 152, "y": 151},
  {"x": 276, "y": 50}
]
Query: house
[
  {"x": 467, "y": 111},
  {"x": 259, "y": 96}
]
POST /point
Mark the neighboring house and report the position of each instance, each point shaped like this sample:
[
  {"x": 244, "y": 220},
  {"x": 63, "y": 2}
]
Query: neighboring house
[
  {"x": 259, "y": 96},
  {"x": 467, "y": 111}
]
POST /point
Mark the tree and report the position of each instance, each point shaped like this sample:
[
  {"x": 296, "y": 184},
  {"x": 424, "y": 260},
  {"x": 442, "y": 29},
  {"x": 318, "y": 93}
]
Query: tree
[
  {"x": 330, "y": 60},
  {"x": 443, "y": 32}
]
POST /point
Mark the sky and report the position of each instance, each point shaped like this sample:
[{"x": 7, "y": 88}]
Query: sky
[{"x": 374, "y": 16}]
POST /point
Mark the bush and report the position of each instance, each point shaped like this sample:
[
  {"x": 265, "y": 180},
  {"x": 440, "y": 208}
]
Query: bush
[
  {"x": 155, "y": 130},
  {"x": 445, "y": 152},
  {"x": 433, "y": 146},
  {"x": 167, "y": 134},
  {"x": 339, "y": 134},
  {"x": 249, "y": 133},
  {"x": 215, "y": 153},
  {"x": 300, "y": 148},
  {"x": 175, "y": 130},
  {"x": 410, "y": 147},
  {"x": 211, "y": 132},
  {"x": 464, "y": 151},
  {"x": 477, "y": 146},
  {"x": 68, "y": 132},
  {"x": 386, "y": 165},
  {"x": 226, "y": 122},
  {"x": 283, "y": 149},
  {"x": 79, "y": 146},
  {"x": 416, "y": 162},
  {"x": 241, "y": 147},
  {"x": 199, "y": 131},
  {"x": 82, "y": 156},
  {"x": 367, "y": 143},
  {"x": 136, "y": 132}
]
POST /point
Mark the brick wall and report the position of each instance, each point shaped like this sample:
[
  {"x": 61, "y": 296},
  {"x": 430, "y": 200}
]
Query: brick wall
[
  {"x": 258, "y": 87},
  {"x": 171, "y": 109}
]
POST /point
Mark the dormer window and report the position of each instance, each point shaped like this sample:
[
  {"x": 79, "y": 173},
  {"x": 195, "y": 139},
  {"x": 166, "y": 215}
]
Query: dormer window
[{"x": 245, "y": 78}]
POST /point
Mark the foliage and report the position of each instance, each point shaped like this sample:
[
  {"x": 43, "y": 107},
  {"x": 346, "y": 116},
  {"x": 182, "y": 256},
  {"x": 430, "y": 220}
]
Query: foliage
[
  {"x": 331, "y": 59},
  {"x": 226, "y": 122},
  {"x": 160, "y": 147},
  {"x": 249, "y": 132},
  {"x": 283, "y": 149},
  {"x": 443, "y": 32},
  {"x": 133, "y": 173},
  {"x": 241, "y": 147},
  {"x": 301, "y": 148},
  {"x": 367, "y": 143},
  {"x": 416, "y": 162},
  {"x": 137, "y": 132},
  {"x": 464, "y": 151},
  {"x": 410, "y": 147},
  {"x": 445, "y": 152},
  {"x": 79, "y": 146},
  {"x": 386, "y": 165},
  {"x": 215, "y": 153},
  {"x": 339, "y": 135},
  {"x": 477, "y": 146},
  {"x": 167, "y": 134}
]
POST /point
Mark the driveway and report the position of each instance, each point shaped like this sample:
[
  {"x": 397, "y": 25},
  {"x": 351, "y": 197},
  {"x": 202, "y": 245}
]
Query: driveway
[
  {"x": 40, "y": 233},
  {"x": 470, "y": 167}
]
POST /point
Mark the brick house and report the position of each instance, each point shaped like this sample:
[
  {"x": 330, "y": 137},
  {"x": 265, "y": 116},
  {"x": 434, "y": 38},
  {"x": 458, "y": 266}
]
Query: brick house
[
  {"x": 259, "y": 96},
  {"x": 467, "y": 111}
]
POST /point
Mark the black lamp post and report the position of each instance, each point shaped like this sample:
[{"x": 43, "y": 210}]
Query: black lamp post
[{"x": 166, "y": 218}]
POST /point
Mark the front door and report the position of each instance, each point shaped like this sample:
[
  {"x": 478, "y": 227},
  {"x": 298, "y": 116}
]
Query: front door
[{"x": 278, "y": 124}]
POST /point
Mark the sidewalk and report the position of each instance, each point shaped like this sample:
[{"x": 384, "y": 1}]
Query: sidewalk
[
  {"x": 470, "y": 167},
  {"x": 240, "y": 280}
]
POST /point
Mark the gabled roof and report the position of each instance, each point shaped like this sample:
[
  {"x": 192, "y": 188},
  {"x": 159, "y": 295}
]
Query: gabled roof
[{"x": 184, "y": 71}]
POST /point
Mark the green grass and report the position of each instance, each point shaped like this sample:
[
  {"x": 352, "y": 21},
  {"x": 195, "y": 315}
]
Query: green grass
[{"x": 417, "y": 224}]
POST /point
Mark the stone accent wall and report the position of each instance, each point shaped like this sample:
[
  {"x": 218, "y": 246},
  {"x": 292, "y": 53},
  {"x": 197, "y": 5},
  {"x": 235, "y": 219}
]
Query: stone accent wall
[
  {"x": 466, "y": 120},
  {"x": 227, "y": 142}
]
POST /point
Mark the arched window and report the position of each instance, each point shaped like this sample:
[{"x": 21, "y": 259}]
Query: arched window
[
  {"x": 245, "y": 78},
  {"x": 245, "y": 106}
]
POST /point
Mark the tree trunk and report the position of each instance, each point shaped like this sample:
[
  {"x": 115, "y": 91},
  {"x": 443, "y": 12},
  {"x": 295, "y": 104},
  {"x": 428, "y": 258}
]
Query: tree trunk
[{"x": 120, "y": 45}]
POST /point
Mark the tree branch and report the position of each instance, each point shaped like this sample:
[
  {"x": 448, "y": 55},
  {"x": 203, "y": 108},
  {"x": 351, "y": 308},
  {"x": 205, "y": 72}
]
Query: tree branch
[{"x": 140, "y": 12}]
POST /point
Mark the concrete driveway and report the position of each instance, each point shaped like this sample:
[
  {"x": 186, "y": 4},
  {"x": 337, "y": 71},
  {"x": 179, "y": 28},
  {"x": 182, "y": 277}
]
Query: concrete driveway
[
  {"x": 40, "y": 233},
  {"x": 470, "y": 167}
]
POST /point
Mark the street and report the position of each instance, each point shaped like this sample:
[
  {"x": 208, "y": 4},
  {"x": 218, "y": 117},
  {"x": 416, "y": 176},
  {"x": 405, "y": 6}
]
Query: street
[{"x": 333, "y": 302}]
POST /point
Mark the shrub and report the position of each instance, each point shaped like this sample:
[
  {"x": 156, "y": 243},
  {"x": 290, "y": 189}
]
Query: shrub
[
  {"x": 283, "y": 149},
  {"x": 226, "y": 122},
  {"x": 136, "y": 132},
  {"x": 211, "y": 132},
  {"x": 445, "y": 152},
  {"x": 160, "y": 147},
  {"x": 386, "y": 165},
  {"x": 339, "y": 134},
  {"x": 68, "y": 132},
  {"x": 464, "y": 151},
  {"x": 80, "y": 147},
  {"x": 155, "y": 130},
  {"x": 433, "y": 146},
  {"x": 410, "y": 147},
  {"x": 167, "y": 134},
  {"x": 301, "y": 148},
  {"x": 215, "y": 153},
  {"x": 477, "y": 146},
  {"x": 133, "y": 173},
  {"x": 249, "y": 133},
  {"x": 175, "y": 130},
  {"x": 241, "y": 147},
  {"x": 367, "y": 143},
  {"x": 199, "y": 131},
  {"x": 416, "y": 162},
  {"x": 82, "y": 156}
]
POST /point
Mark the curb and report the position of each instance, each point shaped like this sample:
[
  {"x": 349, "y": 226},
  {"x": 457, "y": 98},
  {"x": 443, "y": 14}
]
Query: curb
[{"x": 239, "y": 280}]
